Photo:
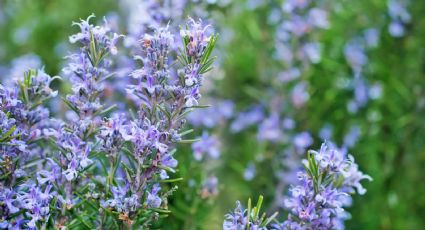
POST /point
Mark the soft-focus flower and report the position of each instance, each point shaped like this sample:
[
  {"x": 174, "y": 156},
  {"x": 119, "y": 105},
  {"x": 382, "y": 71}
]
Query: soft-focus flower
[
  {"x": 270, "y": 129},
  {"x": 207, "y": 147}
]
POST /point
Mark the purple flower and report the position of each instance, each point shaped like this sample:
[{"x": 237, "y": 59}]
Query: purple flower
[
  {"x": 289, "y": 75},
  {"x": 318, "y": 18},
  {"x": 247, "y": 118},
  {"x": 163, "y": 100},
  {"x": 153, "y": 200},
  {"x": 85, "y": 73},
  {"x": 270, "y": 129},
  {"x": 208, "y": 146},
  {"x": 192, "y": 98},
  {"x": 292, "y": 5},
  {"x": 198, "y": 38},
  {"x": 249, "y": 172},
  {"x": 371, "y": 37},
  {"x": 397, "y": 10},
  {"x": 303, "y": 140},
  {"x": 7, "y": 196},
  {"x": 353, "y": 177},
  {"x": 122, "y": 201},
  {"x": 241, "y": 218},
  {"x": 168, "y": 161},
  {"x": 22, "y": 64},
  {"x": 209, "y": 187},
  {"x": 352, "y": 136},
  {"x": 326, "y": 132},
  {"x": 219, "y": 111},
  {"x": 300, "y": 95},
  {"x": 110, "y": 134},
  {"x": 236, "y": 220},
  {"x": 396, "y": 29},
  {"x": 71, "y": 173},
  {"x": 51, "y": 175},
  {"x": 355, "y": 56}
]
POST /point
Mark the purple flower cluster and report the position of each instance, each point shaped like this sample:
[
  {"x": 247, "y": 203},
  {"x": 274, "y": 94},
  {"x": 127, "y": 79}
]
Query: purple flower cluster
[
  {"x": 23, "y": 202},
  {"x": 242, "y": 218},
  {"x": 163, "y": 101},
  {"x": 23, "y": 118},
  {"x": 144, "y": 16},
  {"x": 139, "y": 148},
  {"x": 33, "y": 201},
  {"x": 156, "y": 14},
  {"x": 236, "y": 220},
  {"x": 317, "y": 202},
  {"x": 324, "y": 189},
  {"x": 87, "y": 69}
]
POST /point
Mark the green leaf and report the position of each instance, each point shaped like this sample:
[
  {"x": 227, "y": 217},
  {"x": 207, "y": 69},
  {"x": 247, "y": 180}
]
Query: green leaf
[
  {"x": 207, "y": 66},
  {"x": 258, "y": 207},
  {"x": 107, "y": 110},
  {"x": 185, "y": 132},
  {"x": 130, "y": 155},
  {"x": 172, "y": 180},
  {"x": 160, "y": 210},
  {"x": 268, "y": 220},
  {"x": 189, "y": 141},
  {"x": 249, "y": 213},
  {"x": 200, "y": 106},
  {"x": 8, "y": 133},
  {"x": 209, "y": 48},
  {"x": 70, "y": 105}
]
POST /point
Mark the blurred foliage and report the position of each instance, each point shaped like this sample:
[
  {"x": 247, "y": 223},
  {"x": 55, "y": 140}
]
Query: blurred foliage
[
  {"x": 42, "y": 27},
  {"x": 391, "y": 148}
]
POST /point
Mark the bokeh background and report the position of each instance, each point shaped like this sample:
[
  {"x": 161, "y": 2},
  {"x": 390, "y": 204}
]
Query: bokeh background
[{"x": 361, "y": 85}]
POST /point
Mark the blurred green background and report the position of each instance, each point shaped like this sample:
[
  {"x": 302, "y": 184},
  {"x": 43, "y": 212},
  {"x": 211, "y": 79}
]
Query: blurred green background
[{"x": 391, "y": 148}]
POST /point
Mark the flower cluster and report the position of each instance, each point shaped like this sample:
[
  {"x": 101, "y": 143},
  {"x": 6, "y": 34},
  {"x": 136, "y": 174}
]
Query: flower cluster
[
  {"x": 87, "y": 69},
  {"x": 242, "y": 218},
  {"x": 148, "y": 15},
  {"x": 23, "y": 119},
  {"x": 330, "y": 177},
  {"x": 139, "y": 149},
  {"x": 157, "y": 14},
  {"x": 164, "y": 96},
  {"x": 317, "y": 202},
  {"x": 23, "y": 116}
]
